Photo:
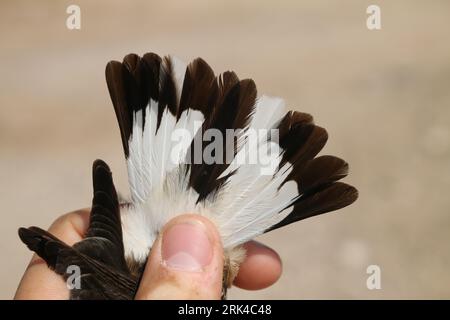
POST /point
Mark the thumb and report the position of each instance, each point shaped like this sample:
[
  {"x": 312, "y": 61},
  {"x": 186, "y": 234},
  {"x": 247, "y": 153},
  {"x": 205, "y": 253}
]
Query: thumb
[{"x": 186, "y": 262}]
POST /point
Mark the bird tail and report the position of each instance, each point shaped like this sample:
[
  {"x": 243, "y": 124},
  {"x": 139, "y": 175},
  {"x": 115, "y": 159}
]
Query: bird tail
[{"x": 155, "y": 98}]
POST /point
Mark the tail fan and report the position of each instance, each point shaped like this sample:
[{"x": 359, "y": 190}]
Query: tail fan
[{"x": 161, "y": 96}]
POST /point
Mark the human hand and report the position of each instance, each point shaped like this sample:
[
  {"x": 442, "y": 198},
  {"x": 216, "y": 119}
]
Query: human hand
[{"x": 170, "y": 273}]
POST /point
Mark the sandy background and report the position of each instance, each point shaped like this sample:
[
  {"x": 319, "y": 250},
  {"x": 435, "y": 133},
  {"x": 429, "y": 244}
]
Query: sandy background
[{"x": 383, "y": 96}]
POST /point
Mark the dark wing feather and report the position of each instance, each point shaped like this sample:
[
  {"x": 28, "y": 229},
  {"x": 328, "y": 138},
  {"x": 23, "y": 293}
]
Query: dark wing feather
[
  {"x": 43, "y": 244},
  {"x": 98, "y": 280},
  {"x": 104, "y": 234},
  {"x": 100, "y": 256}
]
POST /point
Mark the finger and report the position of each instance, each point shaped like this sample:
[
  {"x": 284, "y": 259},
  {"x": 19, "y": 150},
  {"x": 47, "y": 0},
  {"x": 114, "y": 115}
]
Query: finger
[
  {"x": 186, "y": 262},
  {"x": 39, "y": 282},
  {"x": 261, "y": 268}
]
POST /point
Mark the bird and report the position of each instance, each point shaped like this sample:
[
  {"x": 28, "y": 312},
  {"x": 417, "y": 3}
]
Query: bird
[{"x": 165, "y": 108}]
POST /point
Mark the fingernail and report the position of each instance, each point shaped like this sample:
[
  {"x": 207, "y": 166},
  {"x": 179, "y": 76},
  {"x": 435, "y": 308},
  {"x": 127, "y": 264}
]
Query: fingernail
[{"x": 186, "y": 246}]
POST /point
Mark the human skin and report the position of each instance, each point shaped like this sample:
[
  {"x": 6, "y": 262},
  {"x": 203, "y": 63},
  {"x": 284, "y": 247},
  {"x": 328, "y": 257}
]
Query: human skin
[{"x": 185, "y": 262}]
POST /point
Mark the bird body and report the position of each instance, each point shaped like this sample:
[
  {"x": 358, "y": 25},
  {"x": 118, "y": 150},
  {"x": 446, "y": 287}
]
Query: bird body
[{"x": 195, "y": 142}]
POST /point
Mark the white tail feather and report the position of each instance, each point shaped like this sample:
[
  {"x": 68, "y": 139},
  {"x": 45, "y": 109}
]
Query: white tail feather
[{"x": 245, "y": 207}]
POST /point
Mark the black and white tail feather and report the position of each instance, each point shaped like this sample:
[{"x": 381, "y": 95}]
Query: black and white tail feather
[{"x": 154, "y": 97}]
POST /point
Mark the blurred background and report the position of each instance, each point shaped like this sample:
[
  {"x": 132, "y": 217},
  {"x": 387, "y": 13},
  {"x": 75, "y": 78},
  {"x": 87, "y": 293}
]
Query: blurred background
[{"x": 383, "y": 95}]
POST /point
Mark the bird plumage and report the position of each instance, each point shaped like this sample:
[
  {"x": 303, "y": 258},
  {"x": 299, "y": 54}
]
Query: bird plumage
[{"x": 158, "y": 99}]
